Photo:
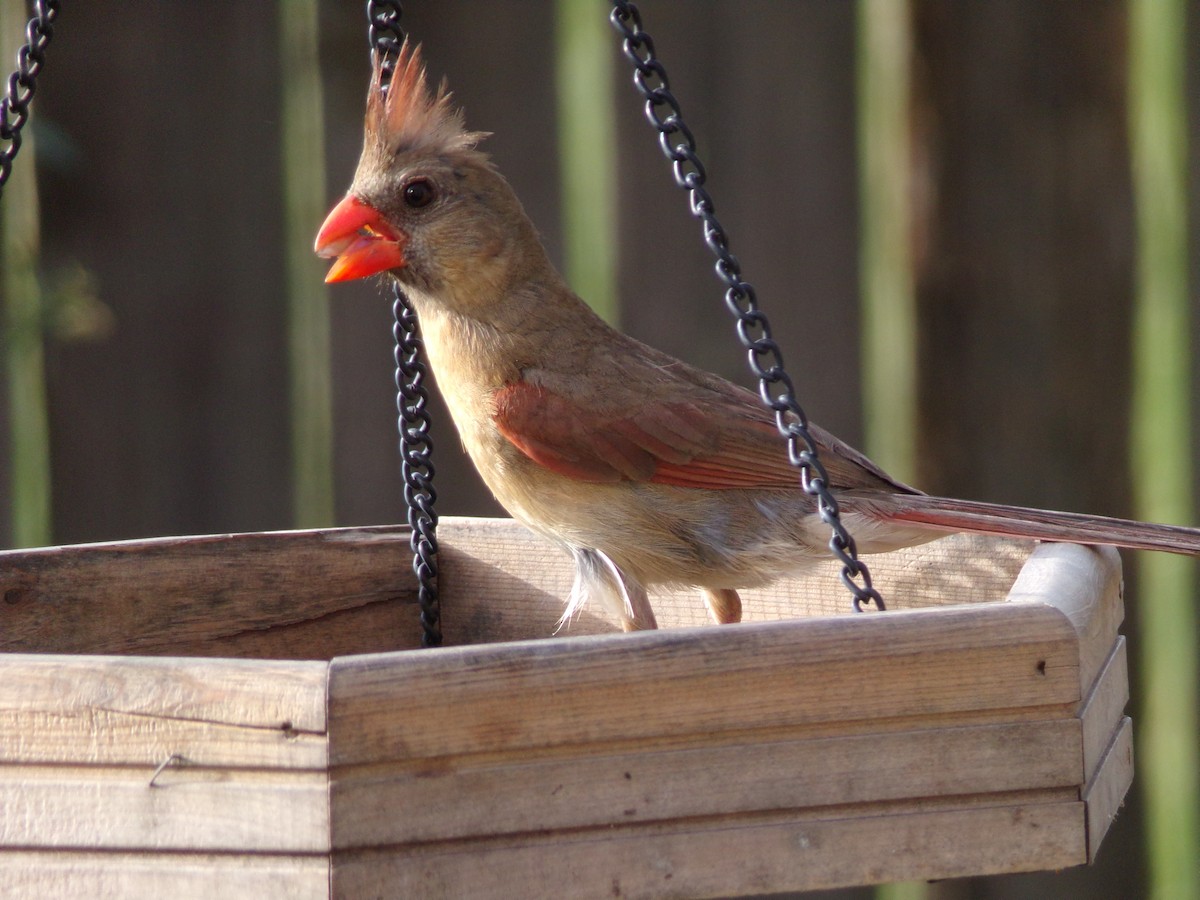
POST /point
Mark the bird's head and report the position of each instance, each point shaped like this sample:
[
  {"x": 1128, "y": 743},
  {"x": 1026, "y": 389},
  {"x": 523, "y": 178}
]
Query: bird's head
[{"x": 425, "y": 204}]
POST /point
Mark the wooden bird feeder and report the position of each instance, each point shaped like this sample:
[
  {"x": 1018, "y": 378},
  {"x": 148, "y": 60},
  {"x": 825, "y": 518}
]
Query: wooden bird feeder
[{"x": 227, "y": 716}]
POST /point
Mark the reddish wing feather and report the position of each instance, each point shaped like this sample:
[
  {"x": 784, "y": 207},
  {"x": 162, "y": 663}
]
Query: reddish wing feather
[
  {"x": 554, "y": 433},
  {"x": 679, "y": 444}
]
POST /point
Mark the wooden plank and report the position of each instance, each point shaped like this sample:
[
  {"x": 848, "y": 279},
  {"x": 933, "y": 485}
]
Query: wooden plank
[
  {"x": 1106, "y": 792},
  {"x": 1085, "y": 583},
  {"x": 694, "y": 681},
  {"x": 141, "y": 711},
  {"x": 377, "y": 627},
  {"x": 319, "y": 594},
  {"x": 182, "y": 808},
  {"x": 37, "y": 875},
  {"x": 501, "y": 582},
  {"x": 604, "y": 785},
  {"x": 1104, "y": 708},
  {"x": 156, "y": 596},
  {"x": 733, "y": 857}
]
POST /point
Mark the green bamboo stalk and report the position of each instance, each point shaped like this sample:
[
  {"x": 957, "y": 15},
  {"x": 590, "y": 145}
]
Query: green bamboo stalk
[
  {"x": 889, "y": 359},
  {"x": 1161, "y": 448},
  {"x": 29, "y": 427},
  {"x": 587, "y": 152},
  {"x": 303, "y": 161}
]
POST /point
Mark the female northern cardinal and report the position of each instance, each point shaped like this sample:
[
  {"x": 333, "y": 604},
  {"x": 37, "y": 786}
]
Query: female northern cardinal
[{"x": 647, "y": 470}]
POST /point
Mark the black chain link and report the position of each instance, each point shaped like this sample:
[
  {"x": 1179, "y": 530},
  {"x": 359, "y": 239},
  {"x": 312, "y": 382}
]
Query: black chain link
[
  {"x": 416, "y": 464},
  {"x": 412, "y": 398},
  {"x": 753, "y": 329},
  {"x": 384, "y": 32},
  {"x": 14, "y": 107}
]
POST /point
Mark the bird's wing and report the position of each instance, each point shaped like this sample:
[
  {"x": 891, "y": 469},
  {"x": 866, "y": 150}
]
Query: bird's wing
[{"x": 713, "y": 436}]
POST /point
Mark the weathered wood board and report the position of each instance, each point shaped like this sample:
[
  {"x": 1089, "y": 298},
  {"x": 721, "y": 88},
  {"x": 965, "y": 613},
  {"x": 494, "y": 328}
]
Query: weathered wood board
[
  {"x": 977, "y": 727},
  {"x": 334, "y": 592}
]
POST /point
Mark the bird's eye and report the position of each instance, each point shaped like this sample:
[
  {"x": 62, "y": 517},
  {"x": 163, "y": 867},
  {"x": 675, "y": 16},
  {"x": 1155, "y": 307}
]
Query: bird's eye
[{"x": 419, "y": 192}]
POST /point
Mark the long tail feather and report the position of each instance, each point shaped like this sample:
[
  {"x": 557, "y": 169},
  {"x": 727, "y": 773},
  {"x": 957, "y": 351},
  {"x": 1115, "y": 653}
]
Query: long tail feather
[{"x": 1041, "y": 524}]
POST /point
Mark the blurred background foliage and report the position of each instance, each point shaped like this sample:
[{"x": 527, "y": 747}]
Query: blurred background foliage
[{"x": 968, "y": 222}]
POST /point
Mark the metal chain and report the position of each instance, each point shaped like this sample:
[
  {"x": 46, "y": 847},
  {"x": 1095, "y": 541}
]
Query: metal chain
[
  {"x": 412, "y": 398},
  {"x": 753, "y": 329},
  {"x": 384, "y": 32},
  {"x": 14, "y": 107},
  {"x": 416, "y": 464}
]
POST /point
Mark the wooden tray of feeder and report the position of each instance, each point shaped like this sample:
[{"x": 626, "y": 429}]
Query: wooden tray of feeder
[{"x": 975, "y": 728}]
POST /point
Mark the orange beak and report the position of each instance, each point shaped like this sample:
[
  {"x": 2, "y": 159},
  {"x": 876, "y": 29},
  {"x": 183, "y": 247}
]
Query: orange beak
[{"x": 364, "y": 244}]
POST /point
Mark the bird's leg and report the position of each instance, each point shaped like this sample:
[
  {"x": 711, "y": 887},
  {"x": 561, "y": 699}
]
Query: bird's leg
[
  {"x": 639, "y": 604},
  {"x": 724, "y": 605},
  {"x": 600, "y": 579}
]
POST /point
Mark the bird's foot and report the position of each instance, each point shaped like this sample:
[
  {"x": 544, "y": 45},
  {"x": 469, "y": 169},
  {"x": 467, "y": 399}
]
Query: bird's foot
[{"x": 724, "y": 605}]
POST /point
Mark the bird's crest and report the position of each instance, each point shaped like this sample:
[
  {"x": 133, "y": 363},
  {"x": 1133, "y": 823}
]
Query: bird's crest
[{"x": 403, "y": 114}]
